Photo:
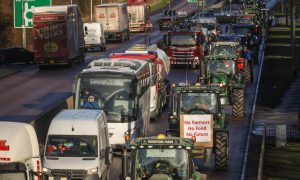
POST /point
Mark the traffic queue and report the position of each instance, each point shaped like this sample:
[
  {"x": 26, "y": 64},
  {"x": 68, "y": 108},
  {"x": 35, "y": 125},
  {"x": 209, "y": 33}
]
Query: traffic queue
[{"x": 116, "y": 97}]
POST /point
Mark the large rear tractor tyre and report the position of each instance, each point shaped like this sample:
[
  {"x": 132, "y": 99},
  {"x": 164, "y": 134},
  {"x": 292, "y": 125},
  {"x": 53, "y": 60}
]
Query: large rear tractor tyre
[
  {"x": 247, "y": 75},
  {"x": 160, "y": 106},
  {"x": 221, "y": 151},
  {"x": 166, "y": 105},
  {"x": 238, "y": 105}
]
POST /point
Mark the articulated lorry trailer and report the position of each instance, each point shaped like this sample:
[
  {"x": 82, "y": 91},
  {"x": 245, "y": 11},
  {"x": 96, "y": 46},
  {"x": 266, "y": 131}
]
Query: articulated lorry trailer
[
  {"x": 114, "y": 17},
  {"x": 58, "y": 35},
  {"x": 139, "y": 13}
]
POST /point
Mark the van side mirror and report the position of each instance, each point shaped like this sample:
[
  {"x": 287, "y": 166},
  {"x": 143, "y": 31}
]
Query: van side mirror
[
  {"x": 107, "y": 156},
  {"x": 85, "y": 30},
  {"x": 129, "y": 17}
]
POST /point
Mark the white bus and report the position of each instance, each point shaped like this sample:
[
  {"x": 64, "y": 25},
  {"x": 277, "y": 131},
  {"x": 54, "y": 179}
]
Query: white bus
[{"x": 120, "y": 87}]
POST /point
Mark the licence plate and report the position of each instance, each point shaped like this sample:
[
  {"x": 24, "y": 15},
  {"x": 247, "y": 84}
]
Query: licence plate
[
  {"x": 51, "y": 61},
  {"x": 57, "y": 178}
]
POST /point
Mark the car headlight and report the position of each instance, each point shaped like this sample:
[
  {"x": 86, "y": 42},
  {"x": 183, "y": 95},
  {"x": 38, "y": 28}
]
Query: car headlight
[{"x": 93, "y": 171}]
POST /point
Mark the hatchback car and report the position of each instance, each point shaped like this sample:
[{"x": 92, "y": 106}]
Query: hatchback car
[{"x": 15, "y": 55}]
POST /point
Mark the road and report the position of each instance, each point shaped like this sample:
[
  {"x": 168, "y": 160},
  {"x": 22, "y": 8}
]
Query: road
[{"x": 27, "y": 94}]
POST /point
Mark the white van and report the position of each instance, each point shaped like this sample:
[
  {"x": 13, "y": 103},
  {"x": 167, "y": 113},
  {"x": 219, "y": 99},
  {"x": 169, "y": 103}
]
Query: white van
[
  {"x": 94, "y": 36},
  {"x": 77, "y": 146},
  {"x": 19, "y": 152}
]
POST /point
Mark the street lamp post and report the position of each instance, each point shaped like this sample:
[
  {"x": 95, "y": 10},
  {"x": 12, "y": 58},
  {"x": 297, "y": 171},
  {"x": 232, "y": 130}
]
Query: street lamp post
[
  {"x": 92, "y": 10},
  {"x": 23, "y": 27}
]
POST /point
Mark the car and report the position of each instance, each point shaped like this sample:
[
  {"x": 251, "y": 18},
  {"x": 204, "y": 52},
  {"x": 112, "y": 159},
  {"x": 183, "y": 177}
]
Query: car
[
  {"x": 165, "y": 23},
  {"x": 15, "y": 55}
]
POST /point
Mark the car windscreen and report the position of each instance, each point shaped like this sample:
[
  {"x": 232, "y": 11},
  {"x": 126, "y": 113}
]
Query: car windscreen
[{"x": 71, "y": 146}]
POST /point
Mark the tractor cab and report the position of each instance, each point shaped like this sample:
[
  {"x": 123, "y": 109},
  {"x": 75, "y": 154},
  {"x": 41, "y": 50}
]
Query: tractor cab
[
  {"x": 244, "y": 66},
  {"x": 162, "y": 157},
  {"x": 222, "y": 71}
]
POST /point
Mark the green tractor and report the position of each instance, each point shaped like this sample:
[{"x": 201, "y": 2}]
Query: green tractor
[
  {"x": 161, "y": 157},
  {"x": 245, "y": 66},
  {"x": 197, "y": 112},
  {"x": 222, "y": 71}
]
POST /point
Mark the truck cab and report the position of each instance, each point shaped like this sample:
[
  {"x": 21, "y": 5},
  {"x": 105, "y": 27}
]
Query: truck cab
[
  {"x": 19, "y": 152},
  {"x": 185, "y": 47},
  {"x": 77, "y": 146},
  {"x": 162, "y": 157}
]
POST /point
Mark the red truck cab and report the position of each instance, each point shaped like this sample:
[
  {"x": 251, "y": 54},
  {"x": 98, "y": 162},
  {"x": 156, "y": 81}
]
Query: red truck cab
[{"x": 185, "y": 47}]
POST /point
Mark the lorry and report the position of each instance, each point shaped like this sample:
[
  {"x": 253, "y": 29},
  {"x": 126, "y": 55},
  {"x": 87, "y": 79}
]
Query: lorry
[
  {"x": 160, "y": 68},
  {"x": 185, "y": 46},
  {"x": 114, "y": 17},
  {"x": 197, "y": 113},
  {"x": 77, "y": 146},
  {"x": 222, "y": 70},
  {"x": 139, "y": 15},
  {"x": 19, "y": 152},
  {"x": 58, "y": 35},
  {"x": 161, "y": 157},
  {"x": 121, "y": 88},
  {"x": 94, "y": 36}
]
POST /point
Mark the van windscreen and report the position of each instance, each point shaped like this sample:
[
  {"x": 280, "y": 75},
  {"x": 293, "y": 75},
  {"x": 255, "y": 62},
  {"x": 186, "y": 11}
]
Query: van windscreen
[{"x": 71, "y": 146}]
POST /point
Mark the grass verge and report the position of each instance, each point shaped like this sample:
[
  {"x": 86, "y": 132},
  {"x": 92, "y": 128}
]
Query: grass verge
[{"x": 158, "y": 4}]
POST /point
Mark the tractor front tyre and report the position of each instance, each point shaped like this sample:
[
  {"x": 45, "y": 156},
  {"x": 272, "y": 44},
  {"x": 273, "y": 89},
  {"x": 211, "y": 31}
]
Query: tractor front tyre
[
  {"x": 221, "y": 151},
  {"x": 238, "y": 106}
]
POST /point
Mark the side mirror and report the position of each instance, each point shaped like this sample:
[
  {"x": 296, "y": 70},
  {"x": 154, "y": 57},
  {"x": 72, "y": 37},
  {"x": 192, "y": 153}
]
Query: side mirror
[
  {"x": 74, "y": 84},
  {"x": 107, "y": 156},
  {"x": 129, "y": 17},
  {"x": 138, "y": 90}
]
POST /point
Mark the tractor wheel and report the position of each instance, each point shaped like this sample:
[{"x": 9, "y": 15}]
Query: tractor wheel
[
  {"x": 221, "y": 151},
  {"x": 247, "y": 75},
  {"x": 166, "y": 105},
  {"x": 159, "y": 106},
  {"x": 238, "y": 106}
]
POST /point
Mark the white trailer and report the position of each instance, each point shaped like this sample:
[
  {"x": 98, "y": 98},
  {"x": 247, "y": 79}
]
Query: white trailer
[
  {"x": 160, "y": 90},
  {"x": 19, "y": 152},
  {"x": 77, "y": 146},
  {"x": 94, "y": 35},
  {"x": 139, "y": 15},
  {"x": 114, "y": 17}
]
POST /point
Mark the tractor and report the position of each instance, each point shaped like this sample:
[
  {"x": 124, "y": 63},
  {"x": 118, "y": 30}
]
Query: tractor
[
  {"x": 161, "y": 157},
  {"x": 197, "y": 112},
  {"x": 222, "y": 70},
  {"x": 244, "y": 65}
]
